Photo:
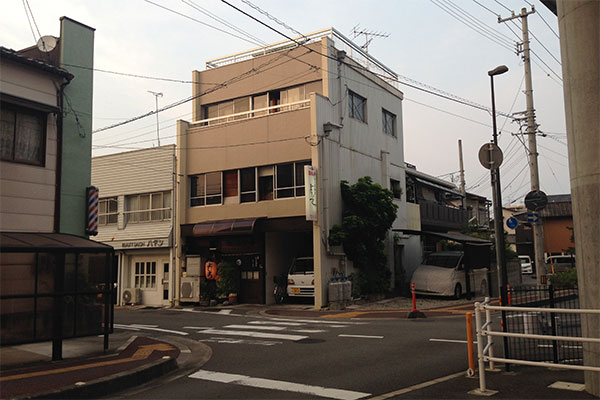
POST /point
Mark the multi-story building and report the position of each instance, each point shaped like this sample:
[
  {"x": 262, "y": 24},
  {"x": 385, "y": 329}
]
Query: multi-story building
[
  {"x": 259, "y": 118},
  {"x": 135, "y": 218}
]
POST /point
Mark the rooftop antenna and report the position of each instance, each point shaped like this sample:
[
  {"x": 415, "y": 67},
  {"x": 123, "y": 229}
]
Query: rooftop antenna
[{"x": 369, "y": 36}]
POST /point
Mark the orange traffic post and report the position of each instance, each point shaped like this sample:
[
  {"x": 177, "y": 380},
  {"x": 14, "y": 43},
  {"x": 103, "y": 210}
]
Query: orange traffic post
[
  {"x": 470, "y": 343},
  {"x": 414, "y": 313}
]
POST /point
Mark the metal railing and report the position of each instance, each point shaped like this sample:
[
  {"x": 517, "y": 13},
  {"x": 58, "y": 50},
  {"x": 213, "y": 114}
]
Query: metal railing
[
  {"x": 296, "y": 105},
  {"x": 485, "y": 354}
]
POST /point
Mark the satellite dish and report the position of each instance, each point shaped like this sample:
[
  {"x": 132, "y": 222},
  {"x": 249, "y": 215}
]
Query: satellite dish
[{"x": 46, "y": 43}]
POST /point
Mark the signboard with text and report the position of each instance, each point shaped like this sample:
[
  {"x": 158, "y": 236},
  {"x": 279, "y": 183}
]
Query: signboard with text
[{"x": 310, "y": 184}]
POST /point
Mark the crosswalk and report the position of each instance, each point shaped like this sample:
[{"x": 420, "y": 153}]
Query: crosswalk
[{"x": 272, "y": 331}]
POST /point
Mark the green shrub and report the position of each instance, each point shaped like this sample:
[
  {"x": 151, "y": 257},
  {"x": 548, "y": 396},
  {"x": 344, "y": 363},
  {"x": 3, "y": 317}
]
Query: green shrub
[
  {"x": 565, "y": 279},
  {"x": 228, "y": 281}
]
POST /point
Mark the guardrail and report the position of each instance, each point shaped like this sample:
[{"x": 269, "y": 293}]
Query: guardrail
[{"x": 485, "y": 354}]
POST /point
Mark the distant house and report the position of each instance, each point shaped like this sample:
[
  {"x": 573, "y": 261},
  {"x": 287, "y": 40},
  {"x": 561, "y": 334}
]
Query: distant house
[{"x": 136, "y": 219}]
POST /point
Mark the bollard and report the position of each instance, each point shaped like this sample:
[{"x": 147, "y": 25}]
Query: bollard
[
  {"x": 414, "y": 313},
  {"x": 508, "y": 294},
  {"x": 470, "y": 350}
]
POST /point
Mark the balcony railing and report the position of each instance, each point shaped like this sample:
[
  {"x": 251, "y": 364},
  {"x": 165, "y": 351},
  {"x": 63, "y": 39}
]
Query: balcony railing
[
  {"x": 341, "y": 42},
  {"x": 438, "y": 215},
  {"x": 296, "y": 105}
]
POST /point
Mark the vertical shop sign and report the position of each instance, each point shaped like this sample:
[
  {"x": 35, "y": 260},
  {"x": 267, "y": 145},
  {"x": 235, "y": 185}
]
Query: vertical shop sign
[{"x": 310, "y": 180}]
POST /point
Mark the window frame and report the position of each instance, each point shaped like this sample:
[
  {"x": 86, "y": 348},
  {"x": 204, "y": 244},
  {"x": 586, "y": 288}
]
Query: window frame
[
  {"x": 105, "y": 217},
  {"x": 133, "y": 216},
  {"x": 354, "y": 101},
  {"x": 297, "y": 188},
  {"x": 385, "y": 125},
  {"x": 202, "y": 199},
  {"x": 42, "y": 118},
  {"x": 142, "y": 275}
]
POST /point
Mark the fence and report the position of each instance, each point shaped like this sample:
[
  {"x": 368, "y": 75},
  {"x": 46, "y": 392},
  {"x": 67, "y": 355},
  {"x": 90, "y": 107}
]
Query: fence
[
  {"x": 544, "y": 323},
  {"x": 485, "y": 330}
]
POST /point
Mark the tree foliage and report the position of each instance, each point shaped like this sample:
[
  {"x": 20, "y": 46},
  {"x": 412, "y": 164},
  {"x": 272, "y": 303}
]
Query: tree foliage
[{"x": 369, "y": 212}]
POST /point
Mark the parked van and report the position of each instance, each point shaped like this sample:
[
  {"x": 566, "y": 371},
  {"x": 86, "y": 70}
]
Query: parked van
[
  {"x": 443, "y": 274},
  {"x": 526, "y": 265},
  {"x": 560, "y": 263},
  {"x": 301, "y": 278}
]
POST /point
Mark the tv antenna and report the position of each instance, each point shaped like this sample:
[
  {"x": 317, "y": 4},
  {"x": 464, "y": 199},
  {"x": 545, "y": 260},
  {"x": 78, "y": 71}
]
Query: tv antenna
[{"x": 369, "y": 36}]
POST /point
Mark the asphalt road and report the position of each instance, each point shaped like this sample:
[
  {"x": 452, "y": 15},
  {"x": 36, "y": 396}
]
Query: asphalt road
[{"x": 256, "y": 356}]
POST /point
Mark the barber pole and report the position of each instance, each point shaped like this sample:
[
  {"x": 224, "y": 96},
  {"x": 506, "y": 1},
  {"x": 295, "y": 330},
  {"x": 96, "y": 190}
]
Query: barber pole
[{"x": 92, "y": 211}]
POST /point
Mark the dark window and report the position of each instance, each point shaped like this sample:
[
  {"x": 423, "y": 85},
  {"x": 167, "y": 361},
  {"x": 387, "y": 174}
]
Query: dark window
[
  {"x": 396, "y": 188},
  {"x": 22, "y": 135},
  {"x": 300, "y": 178},
  {"x": 285, "y": 181},
  {"x": 206, "y": 189},
  {"x": 230, "y": 179},
  {"x": 247, "y": 185},
  {"x": 389, "y": 122},
  {"x": 107, "y": 211},
  {"x": 357, "y": 106},
  {"x": 265, "y": 183}
]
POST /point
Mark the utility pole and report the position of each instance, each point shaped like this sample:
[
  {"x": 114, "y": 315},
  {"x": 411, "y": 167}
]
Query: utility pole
[
  {"x": 462, "y": 174},
  {"x": 156, "y": 96},
  {"x": 538, "y": 233}
]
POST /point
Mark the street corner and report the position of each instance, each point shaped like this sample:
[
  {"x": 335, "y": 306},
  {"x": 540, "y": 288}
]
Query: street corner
[{"x": 88, "y": 374}]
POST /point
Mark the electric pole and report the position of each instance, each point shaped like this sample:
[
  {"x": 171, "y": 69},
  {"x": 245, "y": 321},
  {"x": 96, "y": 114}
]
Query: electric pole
[
  {"x": 156, "y": 96},
  {"x": 462, "y": 174},
  {"x": 538, "y": 234}
]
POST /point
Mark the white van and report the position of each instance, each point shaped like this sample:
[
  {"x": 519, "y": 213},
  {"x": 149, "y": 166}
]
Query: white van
[
  {"x": 301, "y": 278},
  {"x": 443, "y": 274},
  {"x": 526, "y": 265}
]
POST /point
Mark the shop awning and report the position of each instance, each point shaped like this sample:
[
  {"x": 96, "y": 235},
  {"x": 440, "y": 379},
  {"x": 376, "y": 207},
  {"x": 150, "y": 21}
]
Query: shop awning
[
  {"x": 26, "y": 242},
  {"x": 225, "y": 227},
  {"x": 456, "y": 237}
]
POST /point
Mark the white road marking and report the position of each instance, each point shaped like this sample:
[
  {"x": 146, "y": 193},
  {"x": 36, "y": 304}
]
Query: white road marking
[
  {"x": 226, "y": 312},
  {"x": 308, "y": 330},
  {"x": 417, "y": 387},
  {"x": 241, "y": 341},
  {"x": 197, "y": 327},
  {"x": 127, "y": 327},
  {"x": 138, "y": 327},
  {"x": 264, "y": 327},
  {"x": 276, "y": 323},
  {"x": 262, "y": 335},
  {"x": 278, "y": 385},
  {"x": 312, "y": 321},
  {"x": 361, "y": 336},
  {"x": 146, "y": 326},
  {"x": 450, "y": 341},
  {"x": 338, "y": 326}
]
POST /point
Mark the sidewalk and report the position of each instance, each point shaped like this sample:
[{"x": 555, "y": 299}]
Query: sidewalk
[{"x": 27, "y": 371}]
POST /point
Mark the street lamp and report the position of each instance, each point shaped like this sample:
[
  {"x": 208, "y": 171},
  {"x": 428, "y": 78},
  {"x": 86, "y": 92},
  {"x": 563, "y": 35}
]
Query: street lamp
[
  {"x": 156, "y": 95},
  {"x": 498, "y": 220}
]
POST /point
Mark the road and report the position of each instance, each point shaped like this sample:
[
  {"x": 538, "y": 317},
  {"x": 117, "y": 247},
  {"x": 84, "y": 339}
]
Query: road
[{"x": 258, "y": 356}]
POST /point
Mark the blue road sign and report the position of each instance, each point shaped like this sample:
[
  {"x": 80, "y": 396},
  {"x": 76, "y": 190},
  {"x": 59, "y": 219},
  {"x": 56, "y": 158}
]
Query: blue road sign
[{"x": 512, "y": 222}]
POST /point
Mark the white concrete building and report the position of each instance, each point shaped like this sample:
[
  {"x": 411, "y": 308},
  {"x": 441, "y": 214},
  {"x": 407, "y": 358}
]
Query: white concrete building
[
  {"x": 135, "y": 217},
  {"x": 241, "y": 187}
]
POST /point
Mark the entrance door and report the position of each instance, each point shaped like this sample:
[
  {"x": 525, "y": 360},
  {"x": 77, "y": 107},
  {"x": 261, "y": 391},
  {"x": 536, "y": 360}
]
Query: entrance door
[{"x": 252, "y": 278}]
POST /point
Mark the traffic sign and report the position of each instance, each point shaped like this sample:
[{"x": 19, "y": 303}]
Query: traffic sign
[
  {"x": 490, "y": 156},
  {"x": 512, "y": 222},
  {"x": 536, "y": 200},
  {"x": 533, "y": 217}
]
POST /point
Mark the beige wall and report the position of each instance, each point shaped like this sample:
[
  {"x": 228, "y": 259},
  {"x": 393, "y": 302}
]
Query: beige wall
[
  {"x": 274, "y": 71},
  {"x": 27, "y": 192}
]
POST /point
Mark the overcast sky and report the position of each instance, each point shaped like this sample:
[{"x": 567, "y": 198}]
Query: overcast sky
[{"x": 425, "y": 44}]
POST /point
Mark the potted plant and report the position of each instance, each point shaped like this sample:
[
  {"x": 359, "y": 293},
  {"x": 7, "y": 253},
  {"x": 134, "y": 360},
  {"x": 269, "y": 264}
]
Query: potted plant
[{"x": 228, "y": 281}]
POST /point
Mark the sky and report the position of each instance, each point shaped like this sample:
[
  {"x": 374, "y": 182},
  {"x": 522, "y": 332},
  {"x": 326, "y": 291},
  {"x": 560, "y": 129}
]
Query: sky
[{"x": 429, "y": 43}]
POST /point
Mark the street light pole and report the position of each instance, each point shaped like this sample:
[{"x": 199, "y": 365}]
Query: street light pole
[
  {"x": 498, "y": 219},
  {"x": 156, "y": 96}
]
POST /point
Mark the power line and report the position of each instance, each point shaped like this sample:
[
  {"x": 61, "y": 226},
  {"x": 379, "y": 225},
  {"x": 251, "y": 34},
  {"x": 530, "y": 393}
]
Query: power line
[
  {"x": 203, "y": 23},
  {"x": 266, "y": 14},
  {"x": 29, "y": 20}
]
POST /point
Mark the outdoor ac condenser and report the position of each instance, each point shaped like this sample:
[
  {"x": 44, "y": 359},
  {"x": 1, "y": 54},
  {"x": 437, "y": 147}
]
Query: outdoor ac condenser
[
  {"x": 190, "y": 289},
  {"x": 132, "y": 296}
]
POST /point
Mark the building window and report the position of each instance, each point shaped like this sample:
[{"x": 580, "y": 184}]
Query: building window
[
  {"x": 290, "y": 180},
  {"x": 145, "y": 274},
  {"x": 389, "y": 122},
  {"x": 396, "y": 188},
  {"x": 108, "y": 211},
  {"x": 148, "y": 207},
  {"x": 22, "y": 135},
  {"x": 357, "y": 106},
  {"x": 206, "y": 189},
  {"x": 248, "y": 185},
  {"x": 265, "y": 183}
]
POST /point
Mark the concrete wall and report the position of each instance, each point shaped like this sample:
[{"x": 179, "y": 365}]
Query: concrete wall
[
  {"x": 579, "y": 27},
  {"x": 76, "y": 48},
  {"x": 27, "y": 192}
]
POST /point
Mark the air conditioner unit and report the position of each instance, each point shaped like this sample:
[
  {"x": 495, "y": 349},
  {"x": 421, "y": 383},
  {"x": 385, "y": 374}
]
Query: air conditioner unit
[
  {"x": 190, "y": 289},
  {"x": 132, "y": 296}
]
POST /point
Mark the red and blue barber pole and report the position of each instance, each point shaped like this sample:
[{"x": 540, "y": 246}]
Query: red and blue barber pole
[{"x": 92, "y": 211}]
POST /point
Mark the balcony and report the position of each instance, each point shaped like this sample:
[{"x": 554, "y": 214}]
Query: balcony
[{"x": 435, "y": 216}]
